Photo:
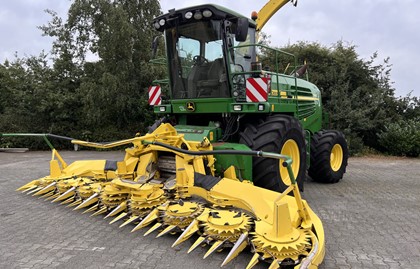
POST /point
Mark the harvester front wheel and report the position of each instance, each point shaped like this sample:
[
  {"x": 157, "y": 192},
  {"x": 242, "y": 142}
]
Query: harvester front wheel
[
  {"x": 329, "y": 154},
  {"x": 280, "y": 134}
]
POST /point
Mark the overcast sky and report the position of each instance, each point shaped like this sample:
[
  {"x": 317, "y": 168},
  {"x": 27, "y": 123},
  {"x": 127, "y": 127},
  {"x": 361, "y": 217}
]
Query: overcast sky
[{"x": 388, "y": 27}]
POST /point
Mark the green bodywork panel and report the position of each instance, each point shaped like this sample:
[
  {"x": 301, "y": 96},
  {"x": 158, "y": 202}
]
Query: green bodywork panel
[
  {"x": 242, "y": 164},
  {"x": 210, "y": 105},
  {"x": 197, "y": 133},
  {"x": 288, "y": 95},
  {"x": 197, "y": 94},
  {"x": 297, "y": 97}
]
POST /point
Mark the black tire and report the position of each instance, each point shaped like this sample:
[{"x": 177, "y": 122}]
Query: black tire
[
  {"x": 325, "y": 167},
  {"x": 271, "y": 135}
]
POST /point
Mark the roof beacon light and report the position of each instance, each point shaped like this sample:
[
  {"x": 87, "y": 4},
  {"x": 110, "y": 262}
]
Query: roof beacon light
[{"x": 254, "y": 15}]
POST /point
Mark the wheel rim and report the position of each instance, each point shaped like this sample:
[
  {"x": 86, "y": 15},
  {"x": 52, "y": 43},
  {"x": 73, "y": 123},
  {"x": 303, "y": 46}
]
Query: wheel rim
[
  {"x": 291, "y": 149},
  {"x": 336, "y": 157}
]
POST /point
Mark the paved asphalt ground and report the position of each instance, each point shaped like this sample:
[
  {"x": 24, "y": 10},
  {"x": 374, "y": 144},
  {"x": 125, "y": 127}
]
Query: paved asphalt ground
[{"x": 371, "y": 220}]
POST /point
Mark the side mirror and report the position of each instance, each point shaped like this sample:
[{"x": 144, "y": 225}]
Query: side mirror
[
  {"x": 241, "y": 29},
  {"x": 155, "y": 45}
]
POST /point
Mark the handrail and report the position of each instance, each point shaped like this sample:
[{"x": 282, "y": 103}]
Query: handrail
[
  {"x": 100, "y": 145},
  {"x": 277, "y": 72},
  {"x": 45, "y": 136}
]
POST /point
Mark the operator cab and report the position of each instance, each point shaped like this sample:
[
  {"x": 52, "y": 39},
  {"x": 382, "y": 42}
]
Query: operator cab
[{"x": 202, "y": 51}]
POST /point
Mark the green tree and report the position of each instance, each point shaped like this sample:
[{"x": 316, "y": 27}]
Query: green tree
[
  {"x": 401, "y": 138},
  {"x": 103, "y": 47},
  {"x": 31, "y": 103},
  {"x": 356, "y": 93}
]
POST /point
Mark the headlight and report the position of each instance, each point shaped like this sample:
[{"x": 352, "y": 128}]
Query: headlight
[
  {"x": 237, "y": 107},
  {"x": 261, "y": 107},
  {"x": 156, "y": 25},
  {"x": 162, "y": 109},
  {"x": 198, "y": 15},
  {"x": 207, "y": 13},
  {"x": 162, "y": 22}
]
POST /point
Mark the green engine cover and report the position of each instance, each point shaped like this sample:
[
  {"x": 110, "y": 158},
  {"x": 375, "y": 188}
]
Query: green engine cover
[
  {"x": 242, "y": 164},
  {"x": 197, "y": 133}
]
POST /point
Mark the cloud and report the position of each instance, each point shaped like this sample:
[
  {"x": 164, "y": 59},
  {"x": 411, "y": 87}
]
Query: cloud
[
  {"x": 18, "y": 26},
  {"x": 385, "y": 26}
]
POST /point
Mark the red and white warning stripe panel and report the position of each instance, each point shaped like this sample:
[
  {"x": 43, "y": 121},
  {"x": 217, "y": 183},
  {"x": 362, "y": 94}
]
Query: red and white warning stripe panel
[
  {"x": 155, "y": 93},
  {"x": 257, "y": 89}
]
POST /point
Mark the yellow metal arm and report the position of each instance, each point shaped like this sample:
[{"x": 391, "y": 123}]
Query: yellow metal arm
[
  {"x": 269, "y": 10},
  {"x": 104, "y": 145}
]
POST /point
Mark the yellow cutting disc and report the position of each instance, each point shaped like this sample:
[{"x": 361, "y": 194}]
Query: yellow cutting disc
[
  {"x": 270, "y": 248},
  {"x": 226, "y": 224},
  {"x": 182, "y": 214},
  {"x": 146, "y": 198}
]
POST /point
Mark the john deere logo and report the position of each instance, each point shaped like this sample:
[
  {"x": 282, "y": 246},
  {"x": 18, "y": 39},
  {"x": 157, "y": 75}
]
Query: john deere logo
[{"x": 191, "y": 106}]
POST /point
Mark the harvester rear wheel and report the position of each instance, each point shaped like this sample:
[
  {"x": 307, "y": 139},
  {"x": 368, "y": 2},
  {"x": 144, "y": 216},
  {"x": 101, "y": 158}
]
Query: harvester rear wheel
[
  {"x": 280, "y": 134},
  {"x": 329, "y": 154}
]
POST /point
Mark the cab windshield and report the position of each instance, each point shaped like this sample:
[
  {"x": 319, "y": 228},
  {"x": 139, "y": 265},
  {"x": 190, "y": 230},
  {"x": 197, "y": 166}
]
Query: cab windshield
[{"x": 196, "y": 62}]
